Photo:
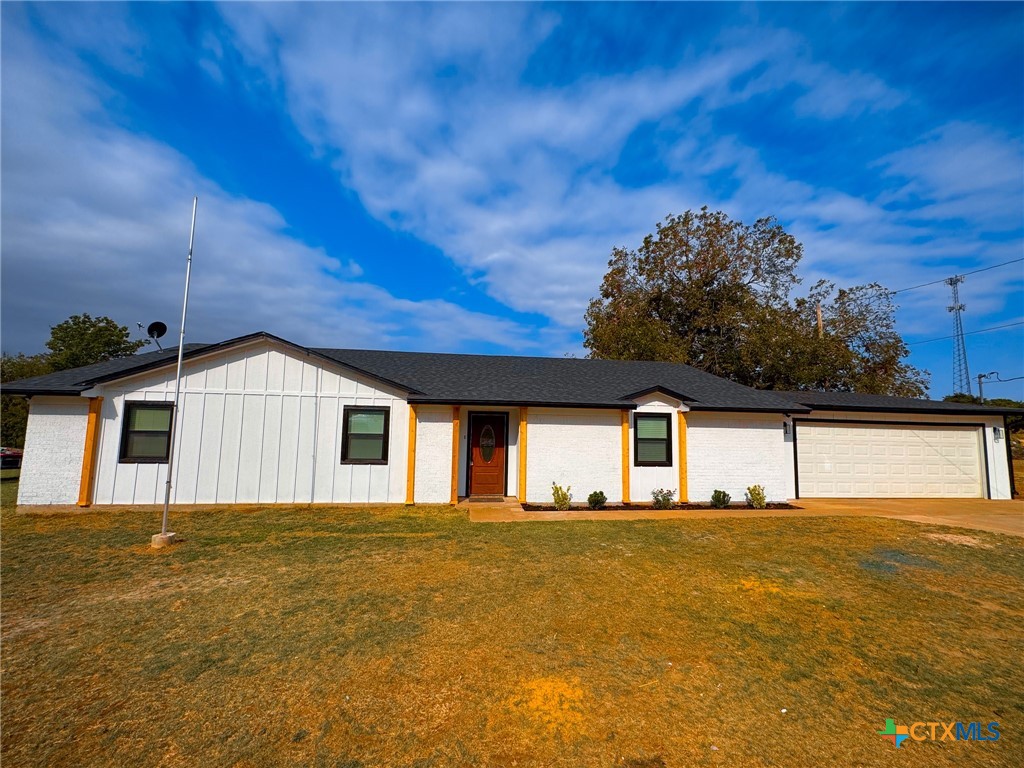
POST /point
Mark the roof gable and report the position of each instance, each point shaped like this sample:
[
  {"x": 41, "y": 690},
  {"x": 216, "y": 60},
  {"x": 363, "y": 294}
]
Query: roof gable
[
  {"x": 657, "y": 390},
  {"x": 75, "y": 381}
]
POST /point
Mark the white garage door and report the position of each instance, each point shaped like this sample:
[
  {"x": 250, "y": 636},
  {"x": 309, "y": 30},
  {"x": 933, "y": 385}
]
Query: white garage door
[{"x": 878, "y": 460}]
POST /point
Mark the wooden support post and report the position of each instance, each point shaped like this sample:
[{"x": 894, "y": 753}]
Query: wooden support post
[
  {"x": 455, "y": 455},
  {"x": 625, "y": 456},
  {"x": 523, "y": 414},
  {"x": 410, "y": 471},
  {"x": 92, "y": 444},
  {"x": 683, "y": 491}
]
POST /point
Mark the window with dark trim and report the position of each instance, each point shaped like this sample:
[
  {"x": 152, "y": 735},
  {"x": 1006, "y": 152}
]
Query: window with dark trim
[
  {"x": 146, "y": 433},
  {"x": 364, "y": 435},
  {"x": 652, "y": 440}
]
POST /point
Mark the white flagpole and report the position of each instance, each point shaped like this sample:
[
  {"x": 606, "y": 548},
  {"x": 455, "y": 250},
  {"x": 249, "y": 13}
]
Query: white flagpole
[{"x": 164, "y": 536}]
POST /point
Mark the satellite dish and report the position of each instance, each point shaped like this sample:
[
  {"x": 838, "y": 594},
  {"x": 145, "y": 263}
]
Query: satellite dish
[{"x": 155, "y": 331}]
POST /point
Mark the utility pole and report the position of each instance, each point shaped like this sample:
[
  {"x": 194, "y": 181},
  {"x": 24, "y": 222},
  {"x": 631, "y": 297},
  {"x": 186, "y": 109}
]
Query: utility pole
[
  {"x": 982, "y": 377},
  {"x": 961, "y": 376},
  {"x": 821, "y": 326}
]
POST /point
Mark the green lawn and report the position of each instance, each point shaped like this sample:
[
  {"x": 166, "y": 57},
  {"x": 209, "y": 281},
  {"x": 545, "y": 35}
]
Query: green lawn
[{"x": 402, "y": 637}]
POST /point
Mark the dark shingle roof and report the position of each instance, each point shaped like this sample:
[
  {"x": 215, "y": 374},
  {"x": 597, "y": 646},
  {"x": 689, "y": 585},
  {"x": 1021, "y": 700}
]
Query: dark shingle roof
[
  {"x": 445, "y": 378},
  {"x": 489, "y": 379},
  {"x": 469, "y": 379},
  {"x": 855, "y": 401},
  {"x": 76, "y": 380}
]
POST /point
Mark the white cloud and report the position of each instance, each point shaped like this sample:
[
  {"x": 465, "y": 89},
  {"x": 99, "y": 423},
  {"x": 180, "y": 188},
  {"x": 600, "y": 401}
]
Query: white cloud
[
  {"x": 95, "y": 219},
  {"x": 831, "y": 94},
  {"x": 962, "y": 171},
  {"x": 819, "y": 90}
]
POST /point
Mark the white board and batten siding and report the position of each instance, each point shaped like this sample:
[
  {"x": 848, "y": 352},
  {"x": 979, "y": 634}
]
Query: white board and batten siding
[
  {"x": 51, "y": 469},
  {"x": 889, "y": 456},
  {"x": 260, "y": 423}
]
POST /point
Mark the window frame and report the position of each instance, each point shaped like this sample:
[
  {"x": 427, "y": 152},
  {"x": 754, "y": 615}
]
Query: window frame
[
  {"x": 667, "y": 418},
  {"x": 386, "y": 444},
  {"x": 126, "y": 431}
]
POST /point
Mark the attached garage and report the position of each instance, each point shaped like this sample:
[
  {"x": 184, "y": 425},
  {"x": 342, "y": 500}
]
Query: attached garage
[
  {"x": 861, "y": 446},
  {"x": 887, "y": 460}
]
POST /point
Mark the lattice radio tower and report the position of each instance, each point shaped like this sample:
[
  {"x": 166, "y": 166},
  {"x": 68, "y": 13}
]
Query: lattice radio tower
[{"x": 961, "y": 376}]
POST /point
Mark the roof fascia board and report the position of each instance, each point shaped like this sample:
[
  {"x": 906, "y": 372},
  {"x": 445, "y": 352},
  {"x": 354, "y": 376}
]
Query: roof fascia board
[
  {"x": 992, "y": 411},
  {"x": 518, "y": 403},
  {"x": 22, "y": 392},
  {"x": 746, "y": 409}
]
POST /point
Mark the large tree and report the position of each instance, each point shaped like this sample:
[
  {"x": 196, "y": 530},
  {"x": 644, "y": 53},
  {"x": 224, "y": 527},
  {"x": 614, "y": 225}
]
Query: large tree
[
  {"x": 13, "y": 409},
  {"x": 715, "y": 293},
  {"x": 79, "y": 340},
  {"x": 84, "y": 340}
]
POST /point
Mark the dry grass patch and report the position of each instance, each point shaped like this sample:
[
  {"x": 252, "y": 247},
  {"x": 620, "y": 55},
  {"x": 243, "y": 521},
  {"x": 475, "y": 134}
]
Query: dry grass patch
[
  {"x": 958, "y": 538},
  {"x": 312, "y": 636}
]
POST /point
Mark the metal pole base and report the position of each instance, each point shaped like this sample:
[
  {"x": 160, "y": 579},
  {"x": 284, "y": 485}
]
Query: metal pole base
[{"x": 163, "y": 540}]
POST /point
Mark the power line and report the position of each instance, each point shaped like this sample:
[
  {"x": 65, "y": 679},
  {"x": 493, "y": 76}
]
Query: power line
[
  {"x": 968, "y": 333},
  {"x": 972, "y": 272}
]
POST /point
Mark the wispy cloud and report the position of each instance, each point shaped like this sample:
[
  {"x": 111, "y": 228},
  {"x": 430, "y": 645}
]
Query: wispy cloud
[
  {"x": 961, "y": 171},
  {"x": 95, "y": 219}
]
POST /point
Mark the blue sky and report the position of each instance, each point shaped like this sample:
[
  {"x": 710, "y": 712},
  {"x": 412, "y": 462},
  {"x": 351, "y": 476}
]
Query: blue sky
[{"x": 454, "y": 177}]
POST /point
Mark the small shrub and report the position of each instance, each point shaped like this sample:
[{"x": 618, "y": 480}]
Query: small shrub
[
  {"x": 562, "y": 496},
  {"x": 756, "y": 497},
  {"x": 662, "y": 498},
  {"x": 597, "y": 500},
  {"x": 720, "y": 499}
]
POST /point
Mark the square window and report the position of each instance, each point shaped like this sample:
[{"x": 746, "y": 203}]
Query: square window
[
  {"x": 146, "y": 433},
  {"x": 364, "y": 435}
]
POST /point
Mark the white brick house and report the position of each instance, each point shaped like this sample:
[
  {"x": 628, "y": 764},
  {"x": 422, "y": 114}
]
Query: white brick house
[{"x": 262, "y": 420}]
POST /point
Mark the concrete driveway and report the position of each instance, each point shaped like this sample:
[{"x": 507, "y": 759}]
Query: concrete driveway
[{"x": 981, "y": 514}]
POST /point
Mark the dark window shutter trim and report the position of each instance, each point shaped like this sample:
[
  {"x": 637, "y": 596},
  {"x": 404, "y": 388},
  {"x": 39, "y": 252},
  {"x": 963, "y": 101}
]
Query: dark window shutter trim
[
  {"x": 351, "y": 410},
  {"x": 666, "y": 441},
  {"x": 127, "y": 432}
]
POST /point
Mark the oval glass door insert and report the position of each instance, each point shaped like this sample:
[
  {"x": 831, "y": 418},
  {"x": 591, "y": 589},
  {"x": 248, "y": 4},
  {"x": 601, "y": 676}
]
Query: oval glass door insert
[{"x": 487, "y": 443}]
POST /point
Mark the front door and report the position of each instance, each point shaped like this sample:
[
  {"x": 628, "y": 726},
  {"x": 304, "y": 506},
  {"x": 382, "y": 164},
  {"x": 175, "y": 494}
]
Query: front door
[{"x": 487, "y": 454}]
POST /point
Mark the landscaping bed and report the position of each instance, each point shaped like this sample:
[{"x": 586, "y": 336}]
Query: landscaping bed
[{"x": 650, "y": 507}]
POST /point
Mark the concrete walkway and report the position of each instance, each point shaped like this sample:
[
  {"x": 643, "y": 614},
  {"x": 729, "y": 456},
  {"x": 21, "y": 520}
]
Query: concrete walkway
[{"x": 979, "y": 514}]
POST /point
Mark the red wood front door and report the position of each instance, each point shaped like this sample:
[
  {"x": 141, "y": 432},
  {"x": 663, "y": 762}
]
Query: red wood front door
[{"x": 487, "y": 454}]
